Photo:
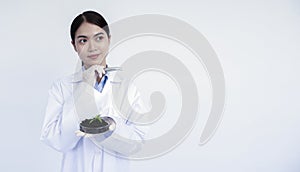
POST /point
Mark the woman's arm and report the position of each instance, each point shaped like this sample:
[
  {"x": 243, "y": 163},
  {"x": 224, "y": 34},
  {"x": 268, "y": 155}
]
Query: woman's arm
[
  {"x": 60, "y": 122},
  {"x": 127, "y": 137}
]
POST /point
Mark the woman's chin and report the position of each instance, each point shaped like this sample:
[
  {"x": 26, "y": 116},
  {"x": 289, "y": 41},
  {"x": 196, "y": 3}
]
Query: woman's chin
[{"x": 91, "y": 64}]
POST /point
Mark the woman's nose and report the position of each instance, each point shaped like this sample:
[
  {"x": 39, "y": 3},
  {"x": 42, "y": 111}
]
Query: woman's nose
[{"x": 92, "y": 46}]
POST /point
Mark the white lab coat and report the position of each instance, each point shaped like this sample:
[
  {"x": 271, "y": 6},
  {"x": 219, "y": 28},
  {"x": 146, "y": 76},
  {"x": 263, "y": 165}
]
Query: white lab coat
[{"x": 82, "y": 154}]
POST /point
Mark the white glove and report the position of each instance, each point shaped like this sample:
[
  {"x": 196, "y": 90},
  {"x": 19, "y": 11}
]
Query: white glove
[{"x": 90, "y": 75}]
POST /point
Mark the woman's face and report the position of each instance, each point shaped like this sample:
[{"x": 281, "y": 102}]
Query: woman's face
[{"x": 91, "y": 44}]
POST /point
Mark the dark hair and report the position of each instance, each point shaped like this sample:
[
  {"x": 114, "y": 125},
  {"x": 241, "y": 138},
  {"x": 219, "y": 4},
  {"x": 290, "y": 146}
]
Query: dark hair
[{"x": 89, "y": 17}]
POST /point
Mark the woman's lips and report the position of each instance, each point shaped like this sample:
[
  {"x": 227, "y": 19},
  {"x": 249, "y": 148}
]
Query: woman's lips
[{"x": 94, "y": 56}]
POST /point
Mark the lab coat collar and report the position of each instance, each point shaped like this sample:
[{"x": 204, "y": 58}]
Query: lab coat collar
[{"x": 77, "y": 77}]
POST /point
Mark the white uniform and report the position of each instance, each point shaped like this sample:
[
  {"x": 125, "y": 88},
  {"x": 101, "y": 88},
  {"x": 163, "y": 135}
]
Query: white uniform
[{"x": 82, "y": 154}]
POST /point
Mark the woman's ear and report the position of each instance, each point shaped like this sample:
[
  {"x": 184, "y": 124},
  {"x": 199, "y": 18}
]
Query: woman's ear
[
  {"x": 74, "y": 46},
  {"x": 109, "y": 36}
]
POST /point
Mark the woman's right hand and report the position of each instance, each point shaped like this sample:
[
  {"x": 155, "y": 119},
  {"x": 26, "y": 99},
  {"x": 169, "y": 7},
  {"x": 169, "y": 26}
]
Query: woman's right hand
[{"x": 90, "y": 75}]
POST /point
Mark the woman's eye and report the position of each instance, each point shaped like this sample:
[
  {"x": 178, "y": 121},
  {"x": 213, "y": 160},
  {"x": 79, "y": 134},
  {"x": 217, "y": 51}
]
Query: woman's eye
[
  {"x": 99, "y": 38},
  {"x": 82, "y": 41}
]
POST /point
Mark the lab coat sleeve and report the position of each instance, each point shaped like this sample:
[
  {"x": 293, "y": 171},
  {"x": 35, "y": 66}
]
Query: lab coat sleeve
[
  {"x": 127, "y": 138},
  {"x": 60, "y": 122}
]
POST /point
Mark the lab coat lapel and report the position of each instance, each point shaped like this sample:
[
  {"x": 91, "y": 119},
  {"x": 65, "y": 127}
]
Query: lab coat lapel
[{"x": 103, "y": 99}]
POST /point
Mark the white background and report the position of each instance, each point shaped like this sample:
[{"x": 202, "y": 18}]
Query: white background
[{"x": 257, "y": 43}]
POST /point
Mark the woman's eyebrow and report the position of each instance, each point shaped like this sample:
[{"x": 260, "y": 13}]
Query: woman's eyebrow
[
  {"x": 97, "y": 34},
  {"x": 81, "y": 36}
]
